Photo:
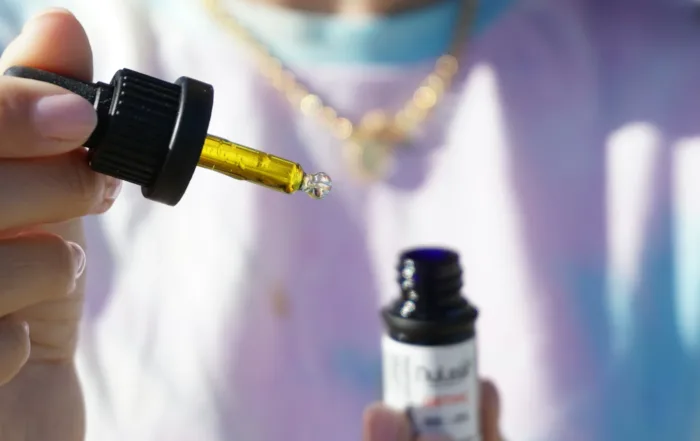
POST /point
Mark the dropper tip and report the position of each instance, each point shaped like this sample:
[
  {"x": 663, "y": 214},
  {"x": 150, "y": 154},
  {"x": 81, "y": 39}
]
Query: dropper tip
[{"x": 317, "y": 185}]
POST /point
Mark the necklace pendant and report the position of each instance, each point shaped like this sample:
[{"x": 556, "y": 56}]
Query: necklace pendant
[
  {"x": 370, "y": 160},
  {"x": 370, "y": 153}
]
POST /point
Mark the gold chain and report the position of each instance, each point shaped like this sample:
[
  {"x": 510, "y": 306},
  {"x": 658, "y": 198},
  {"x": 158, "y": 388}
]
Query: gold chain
[{"x": 371, "y": 143}]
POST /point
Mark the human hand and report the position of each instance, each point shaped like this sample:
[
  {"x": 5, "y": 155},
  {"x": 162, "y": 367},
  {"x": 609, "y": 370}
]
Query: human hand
[
  {"x": 46, "y": 185},
  {"x": 382, "y": 424}
]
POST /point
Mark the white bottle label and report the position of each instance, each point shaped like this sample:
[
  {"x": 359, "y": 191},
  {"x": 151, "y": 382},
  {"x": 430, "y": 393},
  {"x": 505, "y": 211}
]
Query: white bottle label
[{"x": 438, "y": 385}]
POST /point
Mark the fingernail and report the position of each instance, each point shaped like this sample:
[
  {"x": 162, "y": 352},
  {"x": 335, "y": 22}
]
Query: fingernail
[
  {"x": 79, "y": 259},
  {"x": 25, "y": 325},
  {"x": 66, "y": 117},
  {"x": 112, "y": 189}
]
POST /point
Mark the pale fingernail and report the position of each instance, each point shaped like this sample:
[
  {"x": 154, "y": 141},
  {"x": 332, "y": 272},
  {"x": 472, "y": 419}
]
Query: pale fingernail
[
  {"x": 25, "y": 325},
  {"x": 112, "y": 189},
  {"x": 66, "y": 117},
  {"x": 79, "y": 259}
]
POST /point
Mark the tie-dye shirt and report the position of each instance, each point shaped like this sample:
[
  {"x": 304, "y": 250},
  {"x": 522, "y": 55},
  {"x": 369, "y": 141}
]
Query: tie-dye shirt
[{"x": 564, "y": 165}]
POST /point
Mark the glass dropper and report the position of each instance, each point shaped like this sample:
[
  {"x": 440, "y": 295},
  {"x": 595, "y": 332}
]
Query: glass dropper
[
  {"x": 154, "y": 134},
  {"x": 247, "y": 164}
]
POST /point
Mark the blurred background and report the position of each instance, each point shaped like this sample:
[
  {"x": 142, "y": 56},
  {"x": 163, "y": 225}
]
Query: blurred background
[{"x": 554, "y": 143}]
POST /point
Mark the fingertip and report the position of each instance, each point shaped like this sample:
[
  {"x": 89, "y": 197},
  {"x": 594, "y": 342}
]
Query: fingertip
[
  {"x": 490, "y": 397},
  {"x": 378, "y": 408},
  {"x": 78, "y": 258},
  {"x": 490, "y": 410},
  {"x": 112, "y": 189},
  {"x": 376, "y": 412},
  {"x": 380, "y": 423},
  {"x": 53, "y": 40},
  {"x": 47, "y": 12}
]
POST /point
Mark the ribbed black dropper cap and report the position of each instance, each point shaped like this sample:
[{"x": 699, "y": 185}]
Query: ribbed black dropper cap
[
  {"x": 431, "y": 309},
  {"x": 149, "y": 132}
]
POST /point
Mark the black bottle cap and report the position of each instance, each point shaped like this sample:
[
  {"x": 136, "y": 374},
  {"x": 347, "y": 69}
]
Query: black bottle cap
[
  {"x": 149, "y": 132},
  {"x": 431, "y": 309}
]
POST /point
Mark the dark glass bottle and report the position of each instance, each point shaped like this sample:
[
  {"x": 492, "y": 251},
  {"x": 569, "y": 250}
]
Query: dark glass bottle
[{"x": 429, "y": 350}]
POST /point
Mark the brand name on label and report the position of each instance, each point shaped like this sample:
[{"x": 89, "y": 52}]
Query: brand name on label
[{"x": 444, "y": 374}]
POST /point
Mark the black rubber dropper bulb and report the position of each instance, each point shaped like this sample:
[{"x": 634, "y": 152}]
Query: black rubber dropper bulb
[{"x": 150, "y": 132}]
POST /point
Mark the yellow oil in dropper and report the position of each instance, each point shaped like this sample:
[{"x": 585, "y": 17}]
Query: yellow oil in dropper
[{"x": 247, "y": 164}]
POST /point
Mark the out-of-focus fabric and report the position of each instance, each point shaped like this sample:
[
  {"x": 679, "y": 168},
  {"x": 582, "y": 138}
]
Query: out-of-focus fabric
[{"x": 563, "y": 166}]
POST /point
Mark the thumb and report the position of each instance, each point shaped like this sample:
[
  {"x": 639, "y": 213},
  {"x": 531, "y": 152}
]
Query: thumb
[
  {"x": 383, "y": 424},
  {"x": 490, "y": 412},
  {"x": 53, "y": 41},
  {"x": 56, "y": 42}
]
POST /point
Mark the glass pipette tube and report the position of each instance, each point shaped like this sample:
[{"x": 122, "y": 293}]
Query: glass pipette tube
[{"x": 247, "y": 164}]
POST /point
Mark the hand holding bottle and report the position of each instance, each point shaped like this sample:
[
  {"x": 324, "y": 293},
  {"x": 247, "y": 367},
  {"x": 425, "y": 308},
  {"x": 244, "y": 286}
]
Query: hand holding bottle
[{"x": 383, "y": 424}]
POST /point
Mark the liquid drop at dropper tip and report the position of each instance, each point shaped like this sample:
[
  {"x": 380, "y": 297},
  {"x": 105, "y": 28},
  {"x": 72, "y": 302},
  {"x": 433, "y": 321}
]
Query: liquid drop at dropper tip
[{"x": 317, "y": 185}]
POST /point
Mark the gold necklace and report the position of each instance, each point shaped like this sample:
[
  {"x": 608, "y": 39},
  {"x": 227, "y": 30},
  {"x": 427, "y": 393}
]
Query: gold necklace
[{"x": 370, "y": 144}]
